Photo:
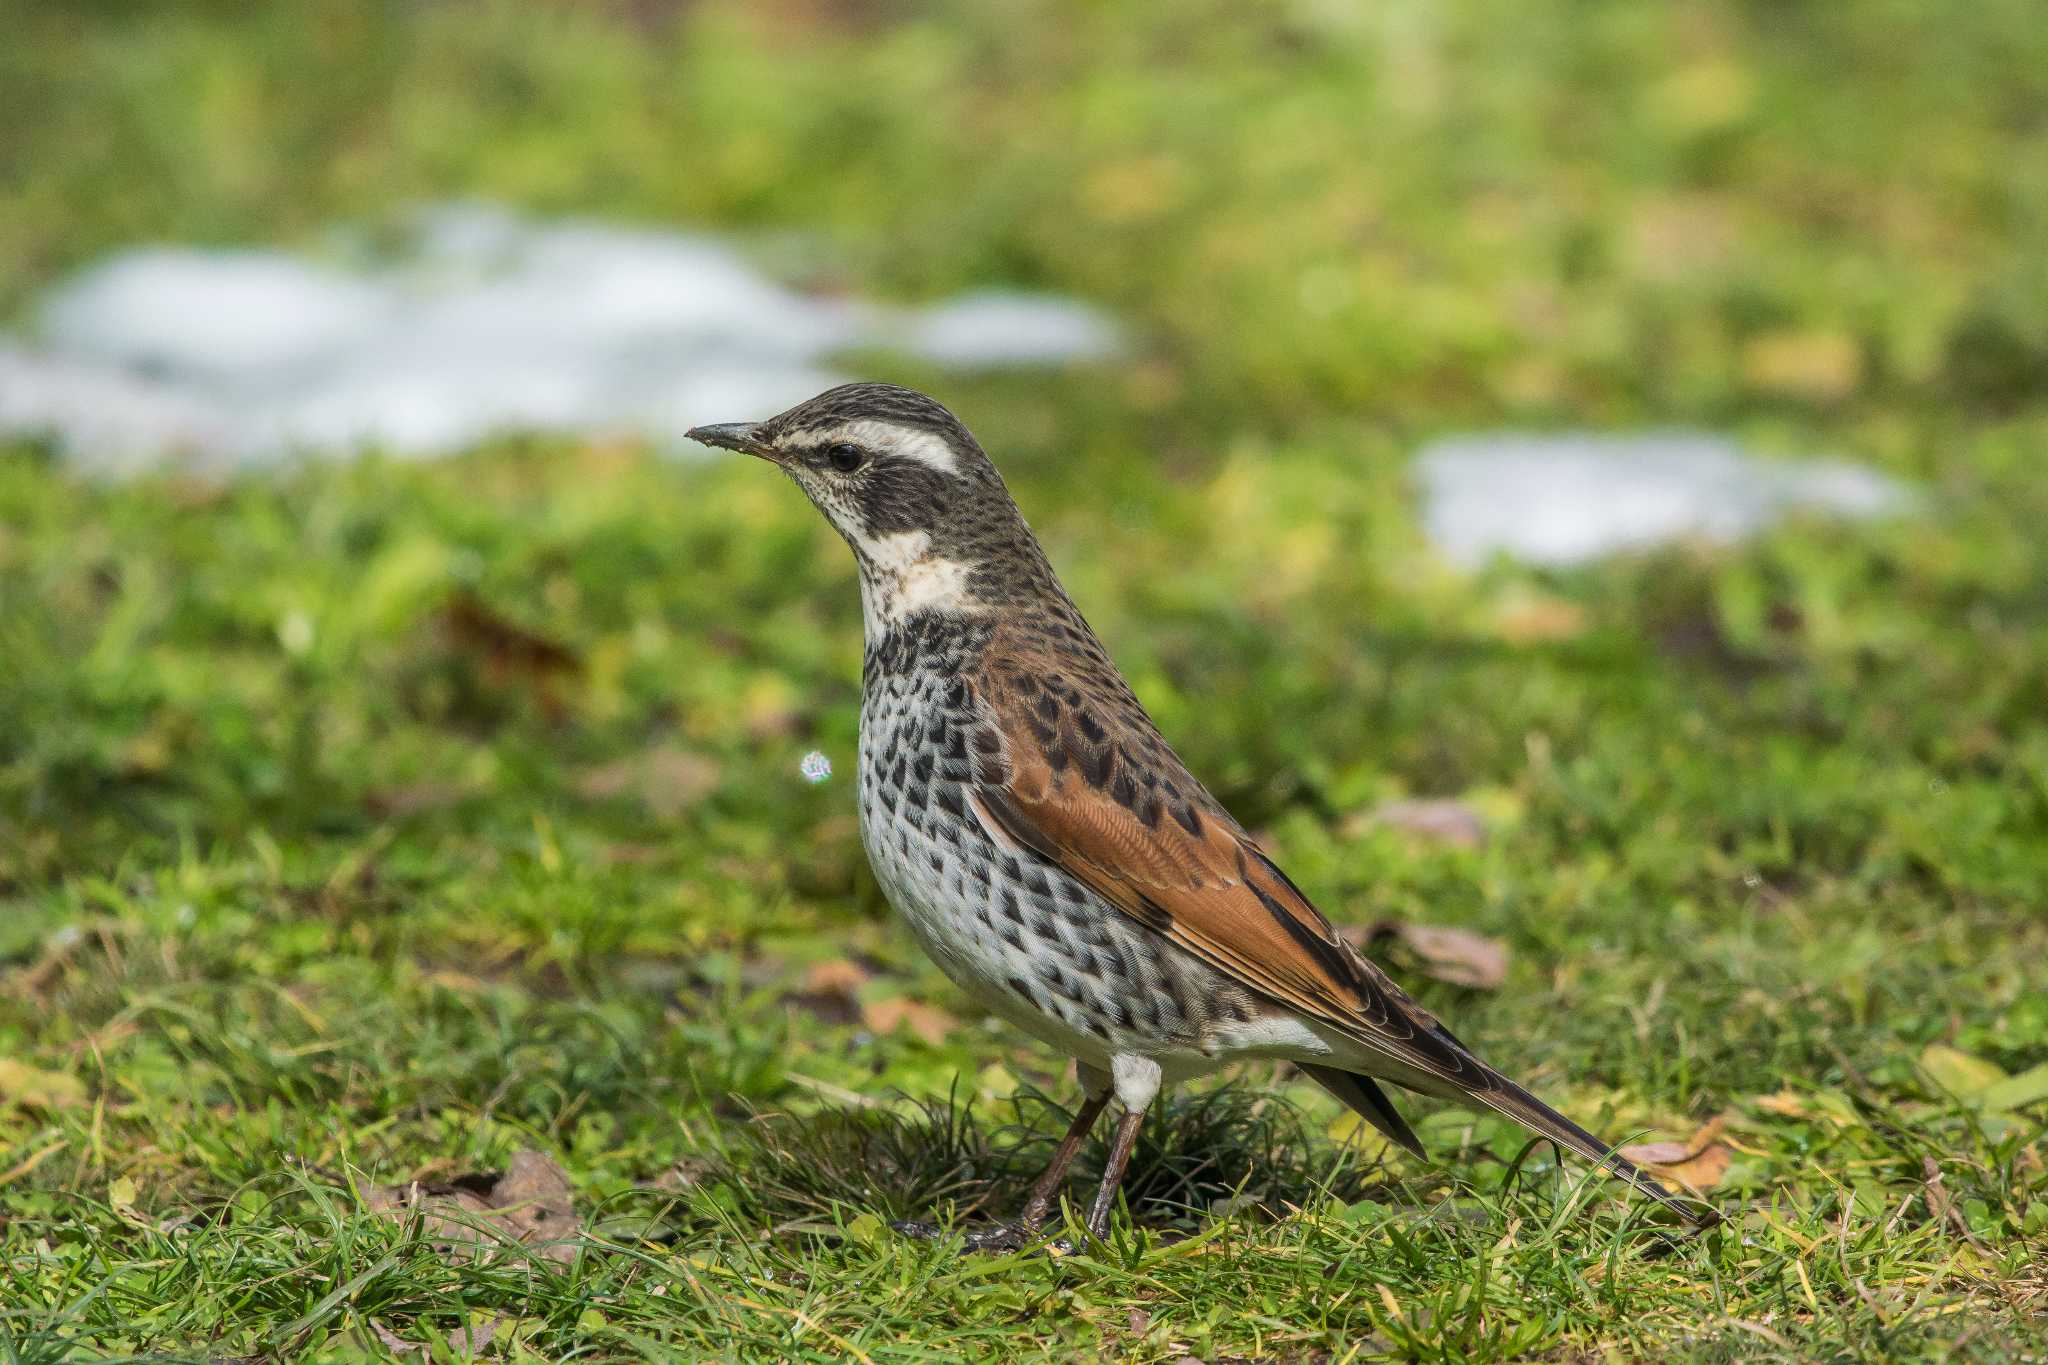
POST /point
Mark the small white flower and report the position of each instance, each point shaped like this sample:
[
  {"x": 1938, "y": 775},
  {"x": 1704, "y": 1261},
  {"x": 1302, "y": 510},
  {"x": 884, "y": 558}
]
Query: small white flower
[{"x": 815, "y": 767}]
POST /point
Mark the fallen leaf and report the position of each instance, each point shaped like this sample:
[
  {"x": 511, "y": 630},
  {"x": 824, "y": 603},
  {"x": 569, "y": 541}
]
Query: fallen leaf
[
  {"x": 30, "y": 1087},
  {"x": 464, "y": 1340},
  {"x": 508, "y": 652},
  {"x": 1697, "y": 1164},
  {"x": 668, "y": 780},
  {"x": 1959, "y": 1073},
  {"x": 1457, "y": 956},
  {"x": 395, "y": 1343},
  {"x": 831, "y": 991},
  {"x": 1441, "y": 821},
  {"x": 530, "y": 1203},
  {"x": 926, "y": 1021},
  {"x": 836, "y": 975},
  {"x": 1831, "y": 1105}
]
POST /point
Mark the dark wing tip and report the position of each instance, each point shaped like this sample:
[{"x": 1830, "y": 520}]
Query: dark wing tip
[{"x": 1365, "y": 1097}]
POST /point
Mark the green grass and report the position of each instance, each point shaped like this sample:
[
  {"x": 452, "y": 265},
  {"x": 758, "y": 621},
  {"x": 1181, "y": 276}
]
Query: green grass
[{"x": 305, "y": 887}]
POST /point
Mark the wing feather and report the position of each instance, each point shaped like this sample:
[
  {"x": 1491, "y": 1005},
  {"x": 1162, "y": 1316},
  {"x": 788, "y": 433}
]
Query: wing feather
[
  {"x": 1189, "y": 871},
  {"x": 1078, "y": 776}
]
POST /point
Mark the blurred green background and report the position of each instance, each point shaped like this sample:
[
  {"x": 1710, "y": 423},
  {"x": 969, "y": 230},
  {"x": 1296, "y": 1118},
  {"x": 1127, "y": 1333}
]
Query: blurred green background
[{"x": 367, "y": 820}]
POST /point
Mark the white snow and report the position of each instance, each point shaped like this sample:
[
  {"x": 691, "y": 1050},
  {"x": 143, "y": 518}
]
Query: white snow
[
  {"x": 483, "y": 322},
  {"x": 992, "y": 328},
  {"x": 1566, "y": 499}
]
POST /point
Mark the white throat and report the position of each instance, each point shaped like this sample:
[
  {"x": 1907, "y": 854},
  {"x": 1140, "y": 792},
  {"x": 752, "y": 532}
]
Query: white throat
[{"x": 901, "y": 576}]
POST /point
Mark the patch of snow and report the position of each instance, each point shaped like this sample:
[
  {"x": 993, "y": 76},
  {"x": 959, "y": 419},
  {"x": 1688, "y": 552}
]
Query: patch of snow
[
  {"x": 483, "y": 322},
  {"x": 989, "y": 329},
  {"x": 1570, "y": 498},
  {"x": 229, "y": 316}
]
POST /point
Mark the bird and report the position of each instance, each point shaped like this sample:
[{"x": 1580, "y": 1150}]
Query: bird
[{"x": 1047, "y": 848}]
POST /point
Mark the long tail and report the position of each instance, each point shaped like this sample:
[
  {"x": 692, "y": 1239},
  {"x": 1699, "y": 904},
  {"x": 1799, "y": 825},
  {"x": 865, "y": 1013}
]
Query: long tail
[{"x": 1504, "y": 1096}]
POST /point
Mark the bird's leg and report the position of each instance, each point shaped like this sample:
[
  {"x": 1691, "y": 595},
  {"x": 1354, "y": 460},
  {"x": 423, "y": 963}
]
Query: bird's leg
[
  {"x": 1048, "y": 1185},
  {"x": 1113, "y": 1172},
  {"x": 1009, "y": 1236}
]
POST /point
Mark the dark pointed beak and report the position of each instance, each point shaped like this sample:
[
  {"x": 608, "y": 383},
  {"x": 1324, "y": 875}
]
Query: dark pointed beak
[{"x": 741, "y": 436}]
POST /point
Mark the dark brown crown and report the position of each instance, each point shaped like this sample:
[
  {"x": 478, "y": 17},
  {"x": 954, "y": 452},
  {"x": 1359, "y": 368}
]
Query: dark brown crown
[{"x": 878, "y": 402}]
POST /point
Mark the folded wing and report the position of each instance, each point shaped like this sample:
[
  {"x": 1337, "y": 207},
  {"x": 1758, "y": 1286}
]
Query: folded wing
[{"x": 1075, "y": 773}]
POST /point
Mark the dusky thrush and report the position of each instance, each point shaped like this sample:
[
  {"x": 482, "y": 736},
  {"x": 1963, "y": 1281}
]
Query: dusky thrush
[{"x": 1044, "y": 844}]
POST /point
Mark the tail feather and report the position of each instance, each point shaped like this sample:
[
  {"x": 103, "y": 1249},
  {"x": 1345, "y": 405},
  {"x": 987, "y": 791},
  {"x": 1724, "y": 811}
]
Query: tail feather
[
  {"x": 1364, "y": 1095},
  {"x": 1505, "y": 1097}
]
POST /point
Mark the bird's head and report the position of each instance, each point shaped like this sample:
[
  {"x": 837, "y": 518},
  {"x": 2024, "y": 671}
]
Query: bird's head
[{"x": 910, "y": 489}]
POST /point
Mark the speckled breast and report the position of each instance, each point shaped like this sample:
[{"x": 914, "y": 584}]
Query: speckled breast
[{"x": 1025, "y": 940}]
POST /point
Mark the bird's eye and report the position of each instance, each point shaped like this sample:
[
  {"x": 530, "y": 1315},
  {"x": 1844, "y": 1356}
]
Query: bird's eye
[{"x": 845, "y": 457}]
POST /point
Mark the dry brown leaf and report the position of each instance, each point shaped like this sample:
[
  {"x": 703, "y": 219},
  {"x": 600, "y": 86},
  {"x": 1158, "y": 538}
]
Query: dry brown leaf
[
  {"x": 530, "y": 1203},
  {"x": 466, "y": 1340},
  {"x": 1457, "y": 956},
  {"x": 926, "y": 1021},
  {"x": 1696, "y": 1164},
  {"x": 508, "y": 652},
  {"x": 831, "y": 991},
  {"x": 668, "y": 780},
  {"x": 836, "y": 975},
  {"x": 1441, "y": 821},
  {"x": 1787, "y": 1103},
  {"x": 1658, "y": 1153},
  {"x": 1703, "y": 1172}
]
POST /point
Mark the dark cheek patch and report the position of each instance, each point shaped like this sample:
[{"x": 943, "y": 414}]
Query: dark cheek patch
[{"x": 896, "y": 497}]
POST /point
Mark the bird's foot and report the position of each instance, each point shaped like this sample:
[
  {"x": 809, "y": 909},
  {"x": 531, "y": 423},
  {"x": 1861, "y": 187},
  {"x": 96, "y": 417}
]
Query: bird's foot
[{"x": 999, "y": 1237}]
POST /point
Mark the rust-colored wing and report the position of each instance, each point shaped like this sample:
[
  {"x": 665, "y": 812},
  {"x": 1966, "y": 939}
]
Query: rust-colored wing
[
  {"x": 1082, "y": 779},
  {"x": 1070, "y": 769}
]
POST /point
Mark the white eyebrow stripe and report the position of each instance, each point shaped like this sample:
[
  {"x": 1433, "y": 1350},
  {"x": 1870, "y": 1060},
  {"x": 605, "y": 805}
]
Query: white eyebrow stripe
[{"x": 911, "y": 443}]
